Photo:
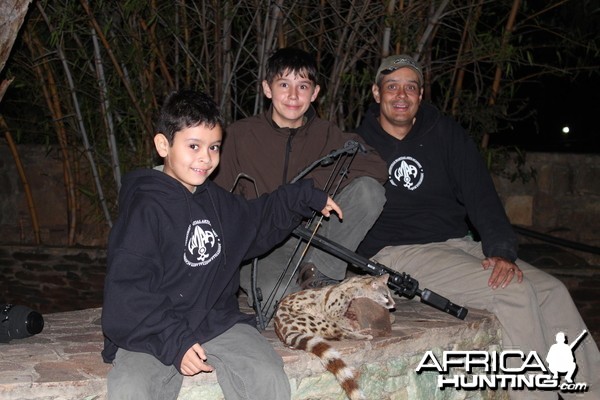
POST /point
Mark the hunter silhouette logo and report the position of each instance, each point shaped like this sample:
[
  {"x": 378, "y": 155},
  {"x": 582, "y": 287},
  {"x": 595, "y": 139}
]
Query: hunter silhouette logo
[
  {"x": 560, "y": 357},
  {"x": 508, "y": 369}
]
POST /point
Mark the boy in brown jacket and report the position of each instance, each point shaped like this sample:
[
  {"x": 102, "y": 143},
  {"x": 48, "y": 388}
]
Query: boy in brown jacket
[{"x": 275, "y": 146}]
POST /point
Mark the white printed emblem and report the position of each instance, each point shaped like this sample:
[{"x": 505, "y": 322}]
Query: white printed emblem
[
  {"x": 202, "y": 244},
  {"x": 407, "y": 172}
]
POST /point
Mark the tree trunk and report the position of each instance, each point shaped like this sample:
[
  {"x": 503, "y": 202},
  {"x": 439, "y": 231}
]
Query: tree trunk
[{"x": 12, "y": 14}]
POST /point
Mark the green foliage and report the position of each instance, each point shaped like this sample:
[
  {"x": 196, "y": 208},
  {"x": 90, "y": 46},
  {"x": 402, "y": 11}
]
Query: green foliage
[
  {"x": 148, "y": 49},
  {"x": 509, "y": 162}
]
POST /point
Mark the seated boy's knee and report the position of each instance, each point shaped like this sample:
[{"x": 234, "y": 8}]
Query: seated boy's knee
[
  {"x": 127, "y": 387},
  {"x": 370, "y": 191},
  {"x": 272, "y": 379},
  {"x": 141, "y": 376},
  {"x": 129, "y": 392}
]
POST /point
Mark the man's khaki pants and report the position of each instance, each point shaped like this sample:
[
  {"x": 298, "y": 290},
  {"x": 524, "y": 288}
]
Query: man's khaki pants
[{"x": 531, "y": 313}]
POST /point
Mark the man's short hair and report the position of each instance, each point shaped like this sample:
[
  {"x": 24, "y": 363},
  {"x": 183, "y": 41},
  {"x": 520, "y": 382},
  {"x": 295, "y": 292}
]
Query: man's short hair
[
  {"x": 185, "y": 109},
  {"x": 292, "y": 60},
  {"x": 395, "y": 62}
]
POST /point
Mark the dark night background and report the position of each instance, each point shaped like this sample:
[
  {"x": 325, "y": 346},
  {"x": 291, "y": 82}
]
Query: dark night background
[
  {"x": 559, "y": 102},
  {"x": 568, "y": 98}
]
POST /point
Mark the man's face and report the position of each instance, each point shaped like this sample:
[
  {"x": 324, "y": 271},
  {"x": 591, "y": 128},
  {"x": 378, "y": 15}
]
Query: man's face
[
  {"x": 399, "y": 96},
  {"x": 193, "y": 156},
  {"x": 291, "y": 95}
]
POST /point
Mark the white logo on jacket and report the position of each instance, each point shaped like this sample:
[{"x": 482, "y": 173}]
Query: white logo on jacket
[
  {"x": 202, "y": 244},
  {"x": 406, "y": 171}
]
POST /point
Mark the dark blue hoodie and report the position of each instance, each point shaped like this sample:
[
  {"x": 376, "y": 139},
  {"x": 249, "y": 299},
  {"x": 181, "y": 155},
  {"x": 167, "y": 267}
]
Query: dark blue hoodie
[
  {"x": 174, "y": 257},
  {"x": 436, "y": 180}
]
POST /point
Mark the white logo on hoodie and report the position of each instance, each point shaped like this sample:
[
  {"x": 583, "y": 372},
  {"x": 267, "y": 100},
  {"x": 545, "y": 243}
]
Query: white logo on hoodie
[
  {"x": 407, "y": 172},
  {"x": 202, "y": 244}
]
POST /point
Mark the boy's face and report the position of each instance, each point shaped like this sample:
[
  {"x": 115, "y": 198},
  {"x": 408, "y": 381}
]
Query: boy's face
[
  {"x": 193, "y": 156},
  {"x": 291, "y": 95}
]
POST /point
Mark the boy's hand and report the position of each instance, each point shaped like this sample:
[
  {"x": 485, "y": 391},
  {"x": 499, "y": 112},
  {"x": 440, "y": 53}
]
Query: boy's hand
[
  {"x": 193, "y": 361},
  {"x": 332, "y": 206}
]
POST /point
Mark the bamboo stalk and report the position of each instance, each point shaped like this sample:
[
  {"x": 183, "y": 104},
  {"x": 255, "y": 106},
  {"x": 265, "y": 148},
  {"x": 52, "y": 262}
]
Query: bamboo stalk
[
  {"x": 79, "y": 118},
  {"x": 510, "y": 23},
  {"x": 228, "y": 83},
  {"x": 427, "y": 35},
  {"x": 158, "y": 56},
  {"x": 116, "y": 65},
  {"x": 48, "y": 83},
  {"x": 349, "y": 37},
  {"x": 23, "y": 176},
  {"x": 186, "y": 38},
  {"x": 105, "y": 110},
  {"x": 340, "y": 60},
  {"x": 387, "y": 31},
  {"x": 227, "y": 70},
  {"x": 459, "y": 68}
]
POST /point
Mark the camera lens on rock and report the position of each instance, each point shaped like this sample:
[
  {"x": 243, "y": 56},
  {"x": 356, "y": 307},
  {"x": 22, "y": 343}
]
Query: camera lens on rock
[{"x": 17, "y": 322}]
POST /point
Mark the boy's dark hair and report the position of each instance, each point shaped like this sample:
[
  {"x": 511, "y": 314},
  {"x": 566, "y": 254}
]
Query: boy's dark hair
[
  {"x": 185, "y": 109},
  {"x": 292, "y": 60}
]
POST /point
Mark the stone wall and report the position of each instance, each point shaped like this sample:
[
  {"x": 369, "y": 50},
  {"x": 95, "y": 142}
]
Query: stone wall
[
  {"x": 52, "y": 279},
  {"x": 563, "y": 201},
  {"x": 45, "y": 178}
]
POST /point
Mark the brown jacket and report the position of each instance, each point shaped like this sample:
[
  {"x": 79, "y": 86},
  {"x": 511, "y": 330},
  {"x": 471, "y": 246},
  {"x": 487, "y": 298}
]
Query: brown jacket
[{"x": 271, "y": 155}]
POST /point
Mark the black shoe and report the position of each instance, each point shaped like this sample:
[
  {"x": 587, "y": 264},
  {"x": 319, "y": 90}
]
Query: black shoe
[{"x": 311, "y": 278}]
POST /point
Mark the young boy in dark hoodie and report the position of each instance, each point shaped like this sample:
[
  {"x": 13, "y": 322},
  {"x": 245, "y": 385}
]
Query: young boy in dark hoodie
[{"x": 170, "y": 305}]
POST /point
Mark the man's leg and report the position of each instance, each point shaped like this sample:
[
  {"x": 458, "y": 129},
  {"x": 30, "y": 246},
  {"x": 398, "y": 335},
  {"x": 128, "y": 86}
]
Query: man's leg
[
  {"x": 558, "y": 313},
  {"x": 140, "y": 376},
  {"x": 453, "y": 269},
  {"x": 247, "y": 366},
  {"x": 361, "y": 201}
]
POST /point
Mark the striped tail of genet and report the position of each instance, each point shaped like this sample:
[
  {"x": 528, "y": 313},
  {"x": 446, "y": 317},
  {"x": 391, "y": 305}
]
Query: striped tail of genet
[{"x": 331, "y": 360}]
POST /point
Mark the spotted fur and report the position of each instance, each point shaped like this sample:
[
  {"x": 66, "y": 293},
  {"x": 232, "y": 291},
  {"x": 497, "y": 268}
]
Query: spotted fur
[{"x": 305, "y": 320}]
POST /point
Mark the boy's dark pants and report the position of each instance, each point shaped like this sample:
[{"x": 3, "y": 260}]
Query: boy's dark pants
[{"x": 246, "y": 364}]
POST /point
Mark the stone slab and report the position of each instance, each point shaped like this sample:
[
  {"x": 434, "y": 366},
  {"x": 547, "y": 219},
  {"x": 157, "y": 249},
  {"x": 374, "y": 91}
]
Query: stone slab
[{"x": 63, "y": 362}]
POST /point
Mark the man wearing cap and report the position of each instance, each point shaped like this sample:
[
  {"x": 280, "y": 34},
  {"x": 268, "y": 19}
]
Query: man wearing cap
[{"x": 437, "y": 185}]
